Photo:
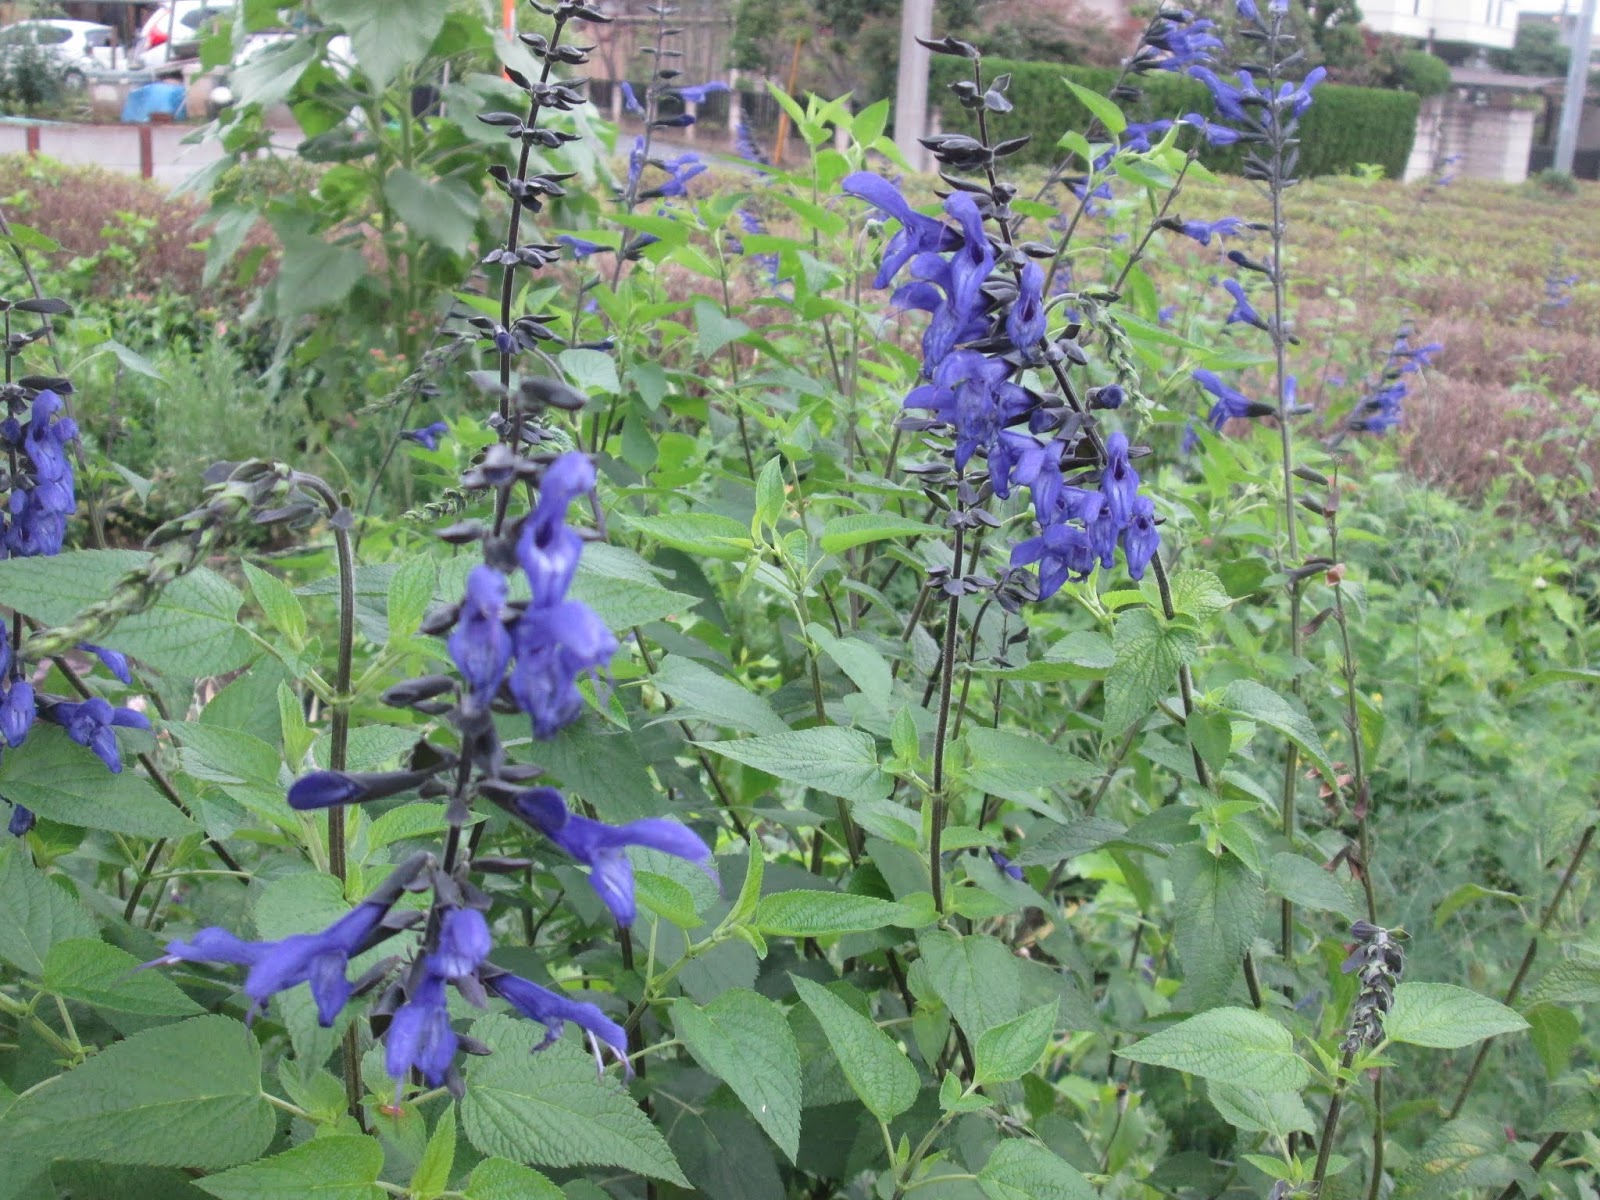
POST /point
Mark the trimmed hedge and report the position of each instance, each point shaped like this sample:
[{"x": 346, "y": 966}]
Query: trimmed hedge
[{"x": 1344, "y": 125}]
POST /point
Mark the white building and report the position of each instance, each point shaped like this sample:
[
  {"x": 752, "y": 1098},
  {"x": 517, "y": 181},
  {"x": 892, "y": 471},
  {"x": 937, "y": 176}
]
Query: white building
[{"x": 1477, "y": 22}]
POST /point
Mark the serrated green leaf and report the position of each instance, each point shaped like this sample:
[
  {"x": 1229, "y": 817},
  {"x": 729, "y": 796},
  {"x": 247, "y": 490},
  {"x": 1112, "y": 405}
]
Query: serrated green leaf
[
  {"x": 432, "y": 1175},
  {"x": 1199, "y": 593},
  {"x": 842, "y": 533},
  {"x": 1255, "y": 702},
  {"x": 502, "y": 1179},
  {"x": 1104, "y": 110},
  {"x": 1229, "y": 1045},
  {"x": 1148, "y": 654},
  {"x": 744, "y": 1040},
  {"x": 38, "y": 913},
  {"x": 820, "y": 914},
  {"x": 105, "y": 976},
  {"x": 1568, "y": 983},
  {"x": 63, "y": 781},
  {"x": 191, "y": 631},
  {"x": 1220, "y": 902},
  {"x": 711, "y": 534},
  {"x": 839, "y": 762},
  {"x": 1277, "y": 1113},
  {"x": 278, "y": 601},
  {"x": 415, "y": 820},
  {"x": 1470, "y": 1153},
  {"x": 326, "y": 1168},
  {"x": 1024, "y": 1170},
  {"x": 1011, "y": 1050},
  {"x": 1018, "y": 767},
  {"x": 549, "y": 1108},
  {"x": 880, "y": 1074},
  {"x": 386, "y": 38},
  {"x": 715, "y": 329},
  {"x": 129, "y": 1105},
  {"x": 410, "y": 593},
  {"x": 701, "y": 694},
  {"x": 1308, "y": 885},
  {"x": 1446, "y": 1017},
  {"x": 622, "y": 603},
  {"x": 976, "y": 976},
  {"x": 1467, "y": 893}
]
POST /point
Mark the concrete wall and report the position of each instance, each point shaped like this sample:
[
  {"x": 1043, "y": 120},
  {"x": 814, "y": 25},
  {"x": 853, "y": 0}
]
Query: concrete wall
[{"x": 1493, "y": 140}]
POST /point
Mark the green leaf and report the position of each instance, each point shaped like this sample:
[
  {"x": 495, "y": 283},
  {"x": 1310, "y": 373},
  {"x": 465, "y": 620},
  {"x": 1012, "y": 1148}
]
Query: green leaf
[
  {"x": 1024, "y": 1170},
  {"x": 432, "y": 1175},
  {"x": 66, "y": 782},
  {"x": 714, "y": 328},
  {"x": 549, "y": 1108},
  {"x": 593, "y": 372},
  {"x": 502, "y": 1179},
  {"x": 410, "y": 593},
  {"x": 1467, "y": 893},
  {"x": 325, "y": 1168},
  {"x": 819, "y": 914},
  {"x": 1554, "y": 1032},
  {"x": 1220, "y": 903},
  {"x": 1018, "y": 767},
  {"x": 1277, "y": 1113},
  {"x": 1011, "y": 1050},
  {"x": 711, "y": 534},
  {"x": 1308, "y": 885},
  {"x": 1228, "y": 1045},
  {"x": 1199, "y": 593},
  {"x": 1103, "y": 110},
  {"x": 105, "y": 976},
  {"x": 701, "y": 694},
  {"x": 1249, "y": 699},
  {"x": 744, "y": 1040},
  {"x": 839, "y": 762},
  {"x": 279, "y": 603},
  {"x": 878, "y": 1071},
  {"x": 1544, "y": 679},
  {"x": 1568, "y": 983},
  {"x": 865, "y": 666},
  {"x": 129, "y": 1105},
  {"x": 842, "y": 533},
  {"x": 770, "y": 497},
  {"x": 315, "y": 275},
  {"x": 191, "y": 631},
  {"x": 1148, "y": 655},
  {"x": 976, "y": 976},
  {"x": 1446, "y": 1017},
  {"x": 1469, "y": 1154},
  {"x": 386, "y": 37},
  {"x": 38, "y": 912},
  {"x": 441, "y": 211}
]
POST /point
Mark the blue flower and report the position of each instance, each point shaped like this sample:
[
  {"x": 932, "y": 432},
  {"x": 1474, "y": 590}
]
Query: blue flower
[
  {"x": 603, "y": 848},
  {"x": 1248, "y": 11},
  {"x": 1204, "y": 231},
  {"x": 1062, "y": 552},
  {"x": 464, "y": 942},
  {"x": 1119, "y": 482},
  {"x": 918, "y": 234},
  {"x": 1230, "y": 100},
  {"x": 581, "y": 248},
  {"x": 698, "y": 93},
  {"x": 1215, "y": 135},
  {"x": 555, "y": 646},
  {"x": 21, "y": 821},
  {"x": 630, "y": 101},
  {"x": 1140, "y": 537},
  {"x": 428, "y": 436},
  {"x": 679, "y": 171},
  {"x": 17, "y": 711},
  {"x": 90, "y": 723},
  {"x": 318, "y": 959},
  {"x": 1005, "y": 864},
  {"x": 1243, "y": 310},
  {"x": 1025, "y": 324},
  {"x": 1230, "y": 402},
  {"x": 552, "y": 1009},
  {"x": 113, "y": 661},
  {"x": 746, "y": 146},
  {"x": 547, "y": 547},
  {"x": 419, "y": 1035},
  {"x": 479, "y": 645}
]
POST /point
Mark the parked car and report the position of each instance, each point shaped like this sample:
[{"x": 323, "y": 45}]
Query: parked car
[
  {"x": 78, "y": 48},
  {"x": 169, "y": 36}
]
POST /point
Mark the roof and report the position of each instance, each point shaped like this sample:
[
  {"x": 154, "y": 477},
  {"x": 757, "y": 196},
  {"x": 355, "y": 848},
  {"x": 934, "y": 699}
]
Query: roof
[{"x": 1484, "y": 77}]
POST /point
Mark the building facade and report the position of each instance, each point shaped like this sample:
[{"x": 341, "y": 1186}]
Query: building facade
[{"x": 1489, "y": 23}]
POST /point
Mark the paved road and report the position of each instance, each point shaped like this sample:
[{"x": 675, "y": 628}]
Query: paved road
[{"x": 117, "y": 147}]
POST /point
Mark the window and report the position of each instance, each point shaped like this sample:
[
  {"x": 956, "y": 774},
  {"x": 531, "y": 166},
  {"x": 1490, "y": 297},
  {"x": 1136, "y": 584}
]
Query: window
[{"x": 52, "y": 35}]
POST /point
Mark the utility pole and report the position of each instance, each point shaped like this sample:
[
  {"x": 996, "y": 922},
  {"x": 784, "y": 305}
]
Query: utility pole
[
  {"x": 1577, "y": 89},
  {"x": 911, "y": 90}
]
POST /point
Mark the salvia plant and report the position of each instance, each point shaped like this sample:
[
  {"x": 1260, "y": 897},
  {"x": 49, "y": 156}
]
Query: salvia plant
[{"x": 872, "y": 684}]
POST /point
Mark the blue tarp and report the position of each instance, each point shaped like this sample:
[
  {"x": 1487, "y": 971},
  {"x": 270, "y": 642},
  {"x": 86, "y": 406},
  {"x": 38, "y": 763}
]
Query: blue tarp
[{"x": 154, "y": 98}]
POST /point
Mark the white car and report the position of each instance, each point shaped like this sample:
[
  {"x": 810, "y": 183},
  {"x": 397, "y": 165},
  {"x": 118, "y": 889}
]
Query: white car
[
  {"x": 79, "y": 48},
  {"x": 173, "y": 32}
]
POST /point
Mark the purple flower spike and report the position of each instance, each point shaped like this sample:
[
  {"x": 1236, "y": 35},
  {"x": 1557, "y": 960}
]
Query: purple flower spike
[
  {"x": 90, "y": 724},
  {"x": 419, "y": 1035},
  {"x": 603, "y": 848},
  {"x": 464, "y": 942},
  {"x": 428, "y": 436},
  {"x": 480, "y": 646}
]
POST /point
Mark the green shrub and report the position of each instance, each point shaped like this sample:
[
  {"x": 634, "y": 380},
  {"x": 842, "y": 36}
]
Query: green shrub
[
  {"x": 1423, "y": 73},
  {"x": 1346, "y": 125}
]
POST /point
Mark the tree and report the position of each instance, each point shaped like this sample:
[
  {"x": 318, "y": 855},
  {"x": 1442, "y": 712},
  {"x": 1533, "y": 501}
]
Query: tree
[{"x": 1537, "y": 50}]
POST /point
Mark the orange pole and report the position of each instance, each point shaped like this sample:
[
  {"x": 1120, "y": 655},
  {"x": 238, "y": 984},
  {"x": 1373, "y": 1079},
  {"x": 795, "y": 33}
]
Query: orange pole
[
  {"x": 783, "y": 118},
  {"x": 508, "y": 16}
]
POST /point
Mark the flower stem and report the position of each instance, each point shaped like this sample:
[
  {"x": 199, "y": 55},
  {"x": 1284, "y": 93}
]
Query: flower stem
[{"x": 947, "y": 669}]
